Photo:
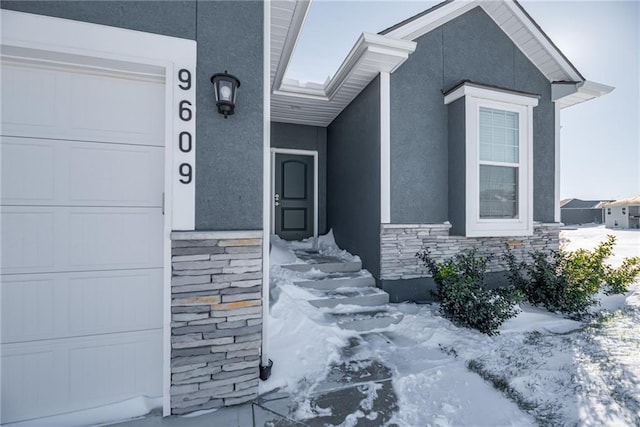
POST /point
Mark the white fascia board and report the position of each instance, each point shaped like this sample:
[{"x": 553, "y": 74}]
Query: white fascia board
[
  {"x": 397, "y": 50},
  {"x": 543, "y": 40},
  {"x": 568, "y": 94},
  {"x": 434, "y": 19},
  {"x": 446, "y": 13},
  {"x": 476, "y": 91}
]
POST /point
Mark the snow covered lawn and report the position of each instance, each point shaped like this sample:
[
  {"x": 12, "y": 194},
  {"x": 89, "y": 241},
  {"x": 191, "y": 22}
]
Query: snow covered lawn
[{"x": 542, "y": 369}]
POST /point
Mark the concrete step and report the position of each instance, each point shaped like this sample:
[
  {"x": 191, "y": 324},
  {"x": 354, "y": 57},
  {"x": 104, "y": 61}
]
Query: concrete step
[
  {"x": 339, "y": 280},
  {"x": 367, "y": 320},
  {"x": 363, "y": 296},
  {"x": 336, "y": 266},
  {"x": 324, "y": 263}
]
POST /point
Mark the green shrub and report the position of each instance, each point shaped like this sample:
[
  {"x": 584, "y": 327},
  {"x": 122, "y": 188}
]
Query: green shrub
[
  {"x": 567, "y": 282},
  {"x": 463, "y": 296}
]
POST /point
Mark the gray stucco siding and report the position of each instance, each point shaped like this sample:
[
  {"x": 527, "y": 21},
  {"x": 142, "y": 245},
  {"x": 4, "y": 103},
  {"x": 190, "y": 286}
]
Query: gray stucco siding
[
  {"x": 170, "y": 18},
  {"x": 229, "y": 175},
  {"x": 470, "y": 47},
  {"x": 353, "y": 177},
  {"x": 418, "y": 136},
  {"x": 531, "y": 80},
  {"x": 312, "y": 138},
  {"x": 229, "y": 153}
]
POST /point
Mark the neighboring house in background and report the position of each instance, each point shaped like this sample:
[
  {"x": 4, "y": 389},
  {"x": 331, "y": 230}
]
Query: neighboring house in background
[
  {"x": 624, "y": 213},
  {"x": 576, "y": 211},
  {"x": 136, "y": 219}
]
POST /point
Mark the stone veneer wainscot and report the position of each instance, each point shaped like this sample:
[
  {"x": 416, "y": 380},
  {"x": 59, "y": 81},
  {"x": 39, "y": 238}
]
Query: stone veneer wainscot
[
  {"x": 216, "y": 319},
  {"x": 399, "y": 244}
]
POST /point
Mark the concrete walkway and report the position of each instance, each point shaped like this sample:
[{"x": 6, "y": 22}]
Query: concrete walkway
[{"x": 356, "y": 389}]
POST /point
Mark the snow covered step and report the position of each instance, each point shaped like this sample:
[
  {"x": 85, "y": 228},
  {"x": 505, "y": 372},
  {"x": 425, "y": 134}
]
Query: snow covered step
[
  {"x": 363, "y": 296},
  {"x": 327, "y": 265},
  {"x": 367, "y": 320},
  {"x": 339, "y": 280}
]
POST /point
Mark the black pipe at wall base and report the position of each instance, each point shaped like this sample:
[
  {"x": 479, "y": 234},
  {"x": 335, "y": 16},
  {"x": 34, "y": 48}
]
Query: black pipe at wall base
[{"x": 265, "y": 371}]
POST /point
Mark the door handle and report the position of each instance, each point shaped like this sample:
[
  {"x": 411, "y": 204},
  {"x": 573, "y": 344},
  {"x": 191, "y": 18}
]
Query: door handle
[
  {"x": 277, "y": 204},
  {"x": 276, "y": 197}
]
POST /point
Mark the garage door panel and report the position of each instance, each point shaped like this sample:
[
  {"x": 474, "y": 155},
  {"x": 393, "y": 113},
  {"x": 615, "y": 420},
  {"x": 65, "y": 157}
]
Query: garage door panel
[
  {"x": 28, "y": 240},
  {"x": 110, "y": 175},
  {"x": 40, "y": 239},
  {"x": 29, "y": 97},
  {"x": 28, "y": 171},
  {"x": 98, "y": 109},
  {"x": 55, "y": 172},
  {"x": 72, "y": 374},
  {"x": 86, "y": 106},
  {"x": 63, "y": 305},
  {"x": 116, "y": 238}
]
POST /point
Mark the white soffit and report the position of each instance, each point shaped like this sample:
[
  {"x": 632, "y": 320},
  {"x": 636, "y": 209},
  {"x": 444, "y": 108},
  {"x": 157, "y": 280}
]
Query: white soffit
[{"x": 318, "y": 104}]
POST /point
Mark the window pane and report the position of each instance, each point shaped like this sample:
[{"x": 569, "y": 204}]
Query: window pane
[
  {"x": 498, "y": 192},
  {"x": 499, "y": 135}
]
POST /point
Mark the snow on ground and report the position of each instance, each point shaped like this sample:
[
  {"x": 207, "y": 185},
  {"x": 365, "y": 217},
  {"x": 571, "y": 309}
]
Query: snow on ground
[
  {"x": 542, "y": 369},
  {"x": 103, "y": 415}
]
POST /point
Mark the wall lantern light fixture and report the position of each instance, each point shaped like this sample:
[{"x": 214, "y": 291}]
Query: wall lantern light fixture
[{"x": 224, "y": 87}]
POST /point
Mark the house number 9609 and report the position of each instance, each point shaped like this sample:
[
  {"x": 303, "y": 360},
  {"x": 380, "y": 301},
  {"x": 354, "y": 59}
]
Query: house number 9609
[{"x": 185, "y": 138}]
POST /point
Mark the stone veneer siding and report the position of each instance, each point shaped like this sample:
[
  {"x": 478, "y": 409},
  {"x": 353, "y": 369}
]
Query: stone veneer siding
[
  {"x": 216, "y": 319},
  {"x": 399, "y": 244}
]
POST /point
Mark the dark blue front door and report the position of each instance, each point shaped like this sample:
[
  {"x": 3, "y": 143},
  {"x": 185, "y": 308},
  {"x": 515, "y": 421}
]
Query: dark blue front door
[{"x": 293, "y": 198}]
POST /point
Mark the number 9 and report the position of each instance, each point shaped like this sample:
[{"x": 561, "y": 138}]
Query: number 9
[
  {"x": 185, "y": 77},
  {"x": 186, "y": 172}
]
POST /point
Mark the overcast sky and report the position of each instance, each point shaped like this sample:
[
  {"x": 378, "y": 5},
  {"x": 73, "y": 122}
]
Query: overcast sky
[{"x": 600, "y": 139}]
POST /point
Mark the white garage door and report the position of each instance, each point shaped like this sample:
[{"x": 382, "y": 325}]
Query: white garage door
[{"x": 82, "y": 158}]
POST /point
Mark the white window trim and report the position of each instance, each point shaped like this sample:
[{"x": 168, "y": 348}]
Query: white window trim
[{"x": 476, "y": 97}]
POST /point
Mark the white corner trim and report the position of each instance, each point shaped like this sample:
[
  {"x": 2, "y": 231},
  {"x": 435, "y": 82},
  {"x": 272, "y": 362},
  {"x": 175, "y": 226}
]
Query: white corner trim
[
  {"x": 491, "y": 94},
  {"x": 266, "y": 181},
  {"x": 310, "y": 153},
  {"x": 557, "y": 168},
  {"x": 385, "y": 148}
]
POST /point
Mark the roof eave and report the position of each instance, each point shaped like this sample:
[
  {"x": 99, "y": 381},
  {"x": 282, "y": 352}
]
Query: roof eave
[
  {"x": 371, "y": 55},
  {"x": 567, "y": 94}
]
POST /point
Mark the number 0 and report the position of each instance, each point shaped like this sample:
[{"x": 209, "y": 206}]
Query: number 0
[{"x": 185, "y": 142}]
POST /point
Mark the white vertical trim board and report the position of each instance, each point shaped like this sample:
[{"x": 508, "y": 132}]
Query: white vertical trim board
[
  {"x": 62, "y": 40},
  {"x": 266, "y": 181},
  {"x": 310, "y": 153},
  {"x": 557, "y": 169},
  {"x": 385, "y": 148}
]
